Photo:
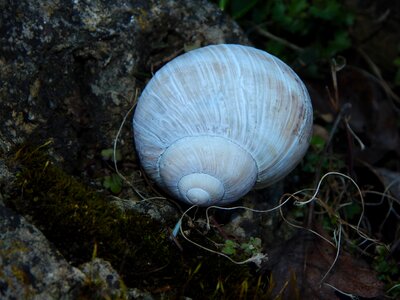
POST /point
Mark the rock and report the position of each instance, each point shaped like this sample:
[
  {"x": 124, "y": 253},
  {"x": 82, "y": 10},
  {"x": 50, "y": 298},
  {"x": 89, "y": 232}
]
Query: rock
[
  {"x": 158, "y": 209},
  {"x": 103, "y": 282},
  {"x": 30, "y": 267},
  {"x": 69, "y": 69},
  {"x": 6, "y": 178}
]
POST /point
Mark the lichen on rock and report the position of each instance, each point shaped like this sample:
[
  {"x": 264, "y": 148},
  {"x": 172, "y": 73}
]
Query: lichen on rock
[{"x": 30, "y": 266}]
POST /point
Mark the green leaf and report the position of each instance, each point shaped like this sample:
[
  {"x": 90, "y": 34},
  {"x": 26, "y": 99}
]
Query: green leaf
[
  {"x": 229, "y": 247},
  {"x": 222, "y": 4},
  {"x": 296, "y": 7},
  {"x": 252, "y": 247},
  {"x": 256, "y": 242},
  {"x": 352, "y": 210},
  {"x": 108, "y": 154},
  {"x": 113, "y": 183},
  {"x": 397, "y": 62},
  {"x": 328, "y": 11},
  {"x": 240, "y": 8},
  {"x": 317, "y": 142},
  {"x": 278, "y": 10},
  {"x": 340, "y": 42}
]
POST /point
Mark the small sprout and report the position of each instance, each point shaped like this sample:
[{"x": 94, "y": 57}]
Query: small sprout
[
  {"x": 219, "y": 287},
  {"x": 195, "y": 270},
  {"x": 252, "y": 247},
  {"x": 229, "y": 247},
  {"x": 243, "y": 289},
  {"x": 317, "y": 142},
  {"x": 108, "y": 154},
  {"x": 113, "y": 183},
  {"x": 386, "y": 266}
]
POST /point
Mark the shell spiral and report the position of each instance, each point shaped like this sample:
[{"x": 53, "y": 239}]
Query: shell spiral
[{"x": 217, "y": 121}]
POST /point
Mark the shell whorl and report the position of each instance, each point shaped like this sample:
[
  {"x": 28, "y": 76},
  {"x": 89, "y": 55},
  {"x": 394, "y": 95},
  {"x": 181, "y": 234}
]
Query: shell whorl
[
  {"x": 207, "y": 170},
  {"x": 216, "y": 121}
]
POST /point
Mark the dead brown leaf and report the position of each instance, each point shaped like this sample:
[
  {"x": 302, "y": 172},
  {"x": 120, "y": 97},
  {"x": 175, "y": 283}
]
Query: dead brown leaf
[
  {"x": 372, "y": 115},
  {"x": 309, "y": 258}
]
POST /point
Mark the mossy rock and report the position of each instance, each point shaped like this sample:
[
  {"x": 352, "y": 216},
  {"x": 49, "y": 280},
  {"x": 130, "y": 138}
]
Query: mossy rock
[{"x": 83, "y": 223}]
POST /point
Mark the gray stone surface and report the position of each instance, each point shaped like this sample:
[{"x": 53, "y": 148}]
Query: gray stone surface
[
  {"x": 69, "y": 69},
  {"x": 30, "y": 268},
  {"x": 106, "y": 283},
  {"x": 104, "y": 279}
]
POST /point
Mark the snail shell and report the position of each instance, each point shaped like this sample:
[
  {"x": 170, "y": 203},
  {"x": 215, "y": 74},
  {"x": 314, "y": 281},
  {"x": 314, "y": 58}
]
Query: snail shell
[{"x": 217, "y": 121}]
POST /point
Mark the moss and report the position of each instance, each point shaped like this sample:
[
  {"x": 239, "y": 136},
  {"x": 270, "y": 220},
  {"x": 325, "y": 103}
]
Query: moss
[
  {"x": 97, "y": 288},
  {"x": 78, "y": 220}
]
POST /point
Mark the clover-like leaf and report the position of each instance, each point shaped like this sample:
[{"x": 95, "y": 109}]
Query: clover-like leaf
[
  {"x": 229, "y": 247},
  {"x": 113, "y": 183}
]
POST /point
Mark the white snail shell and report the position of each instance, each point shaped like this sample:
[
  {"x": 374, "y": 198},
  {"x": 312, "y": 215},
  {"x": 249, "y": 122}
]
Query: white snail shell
[{"x": 217, "y": 121}]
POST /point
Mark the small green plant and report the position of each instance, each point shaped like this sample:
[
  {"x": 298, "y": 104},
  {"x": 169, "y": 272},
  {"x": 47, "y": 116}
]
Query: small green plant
[
  {"x": 387, "y": 268},
  {"x": 219, "y": 289},
  {"x": 113, "y": 182},
  {"x": 317, "y": 159},
  {"x": 230, "y": 247},
  {"x": 108, "y": 154},
  {"x": 251, "y": 248},
  {"x": 313, "y": 158},
  {"x": 298, "y": 31},
  {"x": 388, "y": 271}
]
